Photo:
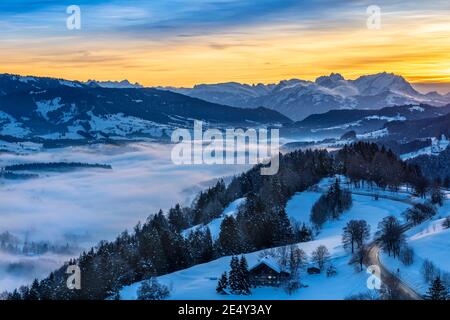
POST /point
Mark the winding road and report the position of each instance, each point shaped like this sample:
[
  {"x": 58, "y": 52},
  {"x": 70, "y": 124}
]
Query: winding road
[{"x": 405, "y": 292}]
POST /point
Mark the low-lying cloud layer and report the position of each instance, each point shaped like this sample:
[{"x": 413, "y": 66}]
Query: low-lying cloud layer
[{"x": 89, "y": 205}]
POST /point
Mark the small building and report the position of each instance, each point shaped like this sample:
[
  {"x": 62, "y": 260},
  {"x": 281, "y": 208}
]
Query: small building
[
  {"x": 439, "y": 145},
  {"x": 267, "y": 272},
  {"x": 313, "y": 270}
]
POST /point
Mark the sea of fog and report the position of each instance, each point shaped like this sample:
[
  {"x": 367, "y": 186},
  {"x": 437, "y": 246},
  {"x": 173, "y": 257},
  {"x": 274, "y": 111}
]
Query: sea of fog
[{"x": 85, "y": 206}]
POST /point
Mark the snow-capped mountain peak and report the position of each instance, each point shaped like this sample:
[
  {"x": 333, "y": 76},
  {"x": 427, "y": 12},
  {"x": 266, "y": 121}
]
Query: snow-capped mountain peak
[
  {"x": 383, "y": 82},
  {"x": 47, "y": 108},
  {"x": 330, "y": 81},
  {"x": 298, "y": 98},
  {"x": 124, "y": 84}
]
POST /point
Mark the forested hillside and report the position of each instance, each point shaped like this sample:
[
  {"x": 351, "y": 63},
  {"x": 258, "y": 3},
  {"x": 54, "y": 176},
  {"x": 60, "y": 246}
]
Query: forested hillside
[
  {"x": 157, "y": 246},
  {"x": 435, "y": 166}
]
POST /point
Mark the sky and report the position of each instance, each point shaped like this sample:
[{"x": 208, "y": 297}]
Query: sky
[{"x": 186, "y": 42}]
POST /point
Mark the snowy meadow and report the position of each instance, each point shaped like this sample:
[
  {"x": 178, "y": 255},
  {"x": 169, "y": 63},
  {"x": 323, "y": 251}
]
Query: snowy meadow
[{"x": 199, "y": 282}]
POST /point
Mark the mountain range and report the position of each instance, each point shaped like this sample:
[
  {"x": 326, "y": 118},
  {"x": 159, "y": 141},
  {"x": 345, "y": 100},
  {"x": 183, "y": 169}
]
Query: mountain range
[
  {"x": 124, "y": 84},
  {"x": 419, "y": 129},
  {"x": 362, "y": 121},
  {"x": 298, "y": 99},
  {"x": 61, "y": 109},
  {"x": 57, "y": 109}
]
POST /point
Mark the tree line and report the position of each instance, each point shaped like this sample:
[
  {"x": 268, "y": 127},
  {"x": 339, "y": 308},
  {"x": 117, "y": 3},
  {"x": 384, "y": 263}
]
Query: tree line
[
  {"x": 367, "y": 162},
  {"x": 55, "y": 166},
  {"x": 158, "y": 246}
]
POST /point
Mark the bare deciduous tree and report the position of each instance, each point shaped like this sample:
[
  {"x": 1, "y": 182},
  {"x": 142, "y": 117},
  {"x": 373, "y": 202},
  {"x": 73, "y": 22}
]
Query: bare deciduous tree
[
  {"x": 356, "y": 232},
  {"x": 391, "y": 235},
  {"x": 320, "y": 256},
  {"x": 407, "y": 256},
  {"x": 429, "y": 271},
  {"x": 360, "y": 256}
]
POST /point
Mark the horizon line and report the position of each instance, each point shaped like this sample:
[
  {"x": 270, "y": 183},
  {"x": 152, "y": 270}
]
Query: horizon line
[
  {"x": 225, "y": 81},
  {"x": 422, "y": 87}
]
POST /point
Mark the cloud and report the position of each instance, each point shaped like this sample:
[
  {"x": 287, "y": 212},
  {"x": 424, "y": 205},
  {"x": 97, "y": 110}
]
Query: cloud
[
  {"x": 94, "y": 205},
  {"x": 160, "y": 17},
  {"x": 82, "y": 201},
  {"x": 17, "y": 270},
  {"x": 170, "y": 42}
]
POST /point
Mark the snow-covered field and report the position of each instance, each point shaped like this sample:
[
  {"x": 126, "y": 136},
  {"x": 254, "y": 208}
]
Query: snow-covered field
[
  {"x": 437, "y": 146},
  {"x": 429, "y": 241},
  {"x": 86, "y": 206},
  {"x": 199, "y": 282}
]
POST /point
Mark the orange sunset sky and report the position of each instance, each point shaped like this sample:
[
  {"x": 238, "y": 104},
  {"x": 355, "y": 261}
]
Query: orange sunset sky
[{"x": 183, "y": 43}]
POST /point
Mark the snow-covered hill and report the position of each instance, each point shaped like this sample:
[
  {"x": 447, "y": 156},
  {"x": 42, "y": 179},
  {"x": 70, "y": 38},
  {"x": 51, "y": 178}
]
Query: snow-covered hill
[
  {"x": 429, "y": 241},
  {"x": 199, "y": 282},
  {"x": 297, "y": 98},
  {"x": 337, "y": 122},
  {"x": 33, "y": 107},
  {"x": 420, "y": 128},
  {"x": 438, "y": 145}
]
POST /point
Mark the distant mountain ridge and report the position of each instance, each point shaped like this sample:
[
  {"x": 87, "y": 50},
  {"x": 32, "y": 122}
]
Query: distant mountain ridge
[
  {"x": 298, "y": 99},
  {"x": 419, "y": 129},
  {"x": 337, "y": 122},
  {"x": 124, "y": 84},
  {"x": 61, "y": 109}
]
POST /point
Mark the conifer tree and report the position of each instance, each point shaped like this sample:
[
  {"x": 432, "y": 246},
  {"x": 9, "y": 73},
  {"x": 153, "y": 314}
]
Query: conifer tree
[
  {"x": 15, "y": 295},
  {"x": 244, "y": 278},
  {"x": 34, "y": 291},
  {"x": 201, "y": 245},
  {"x": 177, "y": 219},
  {"x": 230, "y": 239},
  {"x": 437, "y": 197},
  {"x": 234, "y": 279},
  {"x": 437, "y": 290},
  {"x": 151, "y": 289},
  {"x": 239, "y": 279},
  {"x": 222, "y": 285},
  {"x": 152, "y": 258},
  {"x": 282, "y": 228},
  {"x": 305, "y": 234},
  {"x": 176, "y": 250},
  {"x": 208, "y": 247}
]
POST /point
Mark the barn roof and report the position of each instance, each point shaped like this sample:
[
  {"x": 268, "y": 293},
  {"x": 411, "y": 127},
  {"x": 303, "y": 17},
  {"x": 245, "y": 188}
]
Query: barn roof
[{"x": 270, "y": 262}]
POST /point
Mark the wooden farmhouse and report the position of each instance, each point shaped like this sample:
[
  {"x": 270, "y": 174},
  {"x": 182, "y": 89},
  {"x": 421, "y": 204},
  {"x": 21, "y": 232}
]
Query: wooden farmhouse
[{"x": 267, "y": 272}]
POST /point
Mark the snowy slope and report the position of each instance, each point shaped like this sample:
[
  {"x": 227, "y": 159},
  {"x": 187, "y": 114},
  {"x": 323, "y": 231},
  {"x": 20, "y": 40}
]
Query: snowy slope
[
  {"x": 337, "y": 122},
  {"x": 214, "y": 226},
  {"x": 33, "y": 108},
  {"x": 299, "y": 206},
  {"x": 199, "y": 282},
  {"x": 298, "y": 98},
  {"x": 364, "y": 207},
  {"x": 429, "y": 241},
  {"x": 437, "y": 146}
]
